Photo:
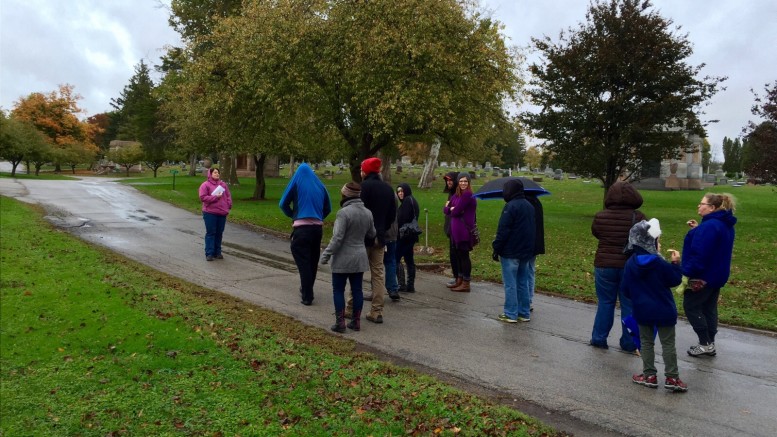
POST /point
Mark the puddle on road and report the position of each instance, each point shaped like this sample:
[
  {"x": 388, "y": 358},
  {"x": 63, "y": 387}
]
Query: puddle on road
[{"x": 253, "y": 254}]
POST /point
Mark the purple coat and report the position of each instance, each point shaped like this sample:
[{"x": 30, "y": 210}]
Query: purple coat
[
  {"x": 213, "y": 204},
  {"x": 463, "y": 207}
]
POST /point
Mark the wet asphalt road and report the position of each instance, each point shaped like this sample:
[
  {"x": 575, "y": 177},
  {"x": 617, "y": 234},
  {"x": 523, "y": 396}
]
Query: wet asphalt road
[{"x": 546, "y": 362}]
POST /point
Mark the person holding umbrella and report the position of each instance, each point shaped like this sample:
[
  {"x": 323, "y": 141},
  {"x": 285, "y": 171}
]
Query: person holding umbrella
[
  {"x": 462, "y": 209},
  {"x": 514, "y": 245}
]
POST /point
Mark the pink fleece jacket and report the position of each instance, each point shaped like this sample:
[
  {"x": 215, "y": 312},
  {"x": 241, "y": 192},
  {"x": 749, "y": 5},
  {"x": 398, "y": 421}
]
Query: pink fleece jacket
[{"x": 217, "y": 205}]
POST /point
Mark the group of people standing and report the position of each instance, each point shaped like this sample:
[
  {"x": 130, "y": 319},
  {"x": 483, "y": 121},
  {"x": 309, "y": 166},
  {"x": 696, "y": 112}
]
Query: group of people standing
[
  {"x": 365, "y": 237},
  {"x": 628, "y": 265},
  {"x": 629, "y": 268}
]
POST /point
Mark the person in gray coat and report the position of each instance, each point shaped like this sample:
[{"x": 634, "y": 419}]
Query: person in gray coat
[{"x": 349, "y": 258}]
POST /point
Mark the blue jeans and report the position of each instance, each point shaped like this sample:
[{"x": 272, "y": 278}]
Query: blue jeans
[
  {"x": 390, "y": 266},
  {"x": 338, "y": 290},
  {"x": 532, "y": 271},
  {"x": 608, "y": 282},
  {"x": 214, "y": 230},
  {"x": 515, "y": 274}
]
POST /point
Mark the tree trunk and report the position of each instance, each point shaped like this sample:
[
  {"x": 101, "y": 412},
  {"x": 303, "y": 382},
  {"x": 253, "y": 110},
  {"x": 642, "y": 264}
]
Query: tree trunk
[
  {"x": 193, "y": 164},
  {"x": 260, "y": 187},
  {"x": 427, "y": 177},
  {"x": 291, "y": 166},
  {"x": 385, "y": 171},
  {"x": 228, "y": 169}
]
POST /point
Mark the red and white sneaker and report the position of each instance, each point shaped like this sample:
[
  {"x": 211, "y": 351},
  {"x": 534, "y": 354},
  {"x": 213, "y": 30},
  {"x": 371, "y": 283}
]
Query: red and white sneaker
[
  {"x": 646, "y": 380},
  {"x": 675, "y": 384}
]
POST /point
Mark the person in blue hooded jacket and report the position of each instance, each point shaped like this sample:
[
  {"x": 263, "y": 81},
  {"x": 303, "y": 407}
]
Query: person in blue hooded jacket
[
  {"x": 648, "y": 280},
  {"x": 307, "y": 203},
  {"x": 514, "y": 244},
  {"x": 707, "y": 253}
]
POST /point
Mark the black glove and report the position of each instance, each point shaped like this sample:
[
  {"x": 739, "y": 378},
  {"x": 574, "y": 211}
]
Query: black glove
[{"x": 495, "y": 256}]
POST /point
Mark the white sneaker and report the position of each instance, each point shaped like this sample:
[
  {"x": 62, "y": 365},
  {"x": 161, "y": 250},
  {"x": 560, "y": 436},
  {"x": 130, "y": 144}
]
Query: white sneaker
[{"x": 699, "y": 350}]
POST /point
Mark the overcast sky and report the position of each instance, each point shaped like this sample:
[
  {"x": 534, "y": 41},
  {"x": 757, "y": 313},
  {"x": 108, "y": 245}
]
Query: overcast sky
[{"x": 95, "y": 44}]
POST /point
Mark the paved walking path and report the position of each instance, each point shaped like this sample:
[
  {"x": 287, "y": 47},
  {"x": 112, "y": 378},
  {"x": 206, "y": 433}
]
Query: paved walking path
[{"x": 546, "y": 362}]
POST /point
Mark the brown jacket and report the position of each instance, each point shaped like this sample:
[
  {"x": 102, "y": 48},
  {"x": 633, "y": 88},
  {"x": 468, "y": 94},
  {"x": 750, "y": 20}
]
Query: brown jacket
[{"x": 611, "y": 225}]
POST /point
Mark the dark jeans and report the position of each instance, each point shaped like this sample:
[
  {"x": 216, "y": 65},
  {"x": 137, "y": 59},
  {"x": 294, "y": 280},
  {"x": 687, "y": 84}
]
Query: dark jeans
[
  {"x": 338, "y": 290},
  {"x": 453, "y": 253},
  {"x": 306, "y": 249},
  {"x": 214, "y": 231},
  {"x": 465, "y": 264},
  {"x": 405, "y": 250},
  {"x": 701, "y": 309}
]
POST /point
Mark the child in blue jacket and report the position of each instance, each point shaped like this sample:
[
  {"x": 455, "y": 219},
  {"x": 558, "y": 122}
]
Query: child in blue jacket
[{"x": 648, "y": 280}]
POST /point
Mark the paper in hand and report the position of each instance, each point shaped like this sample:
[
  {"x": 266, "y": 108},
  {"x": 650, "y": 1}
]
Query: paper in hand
[{"x": 218, "y": 191}]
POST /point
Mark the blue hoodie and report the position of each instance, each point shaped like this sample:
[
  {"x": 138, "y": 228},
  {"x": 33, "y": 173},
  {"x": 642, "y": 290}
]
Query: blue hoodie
[
  {"x": 307, "y": 194},
  {"x": 647, "y": 281},
  {"x": 708, "y": 248}
]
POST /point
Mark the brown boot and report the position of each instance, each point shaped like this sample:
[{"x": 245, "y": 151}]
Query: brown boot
[
  {"x": 455, "y": 284},
  {"x": 463, "y": 287}
]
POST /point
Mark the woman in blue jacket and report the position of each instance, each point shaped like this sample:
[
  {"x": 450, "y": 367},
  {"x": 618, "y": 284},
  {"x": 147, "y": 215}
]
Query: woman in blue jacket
[{"x": 707, "y": 252}]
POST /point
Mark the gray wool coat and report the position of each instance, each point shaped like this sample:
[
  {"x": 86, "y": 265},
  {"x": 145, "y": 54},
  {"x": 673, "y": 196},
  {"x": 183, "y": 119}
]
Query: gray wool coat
[{"x": 346, "y": 248}]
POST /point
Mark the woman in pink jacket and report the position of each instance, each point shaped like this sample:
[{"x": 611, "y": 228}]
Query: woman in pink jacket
[{"x": 216, "y": 203}]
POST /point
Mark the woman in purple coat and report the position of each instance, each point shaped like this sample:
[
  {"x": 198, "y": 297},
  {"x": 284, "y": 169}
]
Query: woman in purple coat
[{"x": 462, "y": 208}]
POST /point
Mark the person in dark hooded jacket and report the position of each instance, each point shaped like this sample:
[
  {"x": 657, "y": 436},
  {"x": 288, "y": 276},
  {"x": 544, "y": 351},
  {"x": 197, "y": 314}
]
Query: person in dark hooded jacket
[
  {"x": 539, "y": 242},
  {"x": 514, "y": 245},
  {"x": 450, "y": 189},
  {"x": 407, "y": 212},
  {"x": 648, "y": 280},
  {"x": 611, "y": 227}
]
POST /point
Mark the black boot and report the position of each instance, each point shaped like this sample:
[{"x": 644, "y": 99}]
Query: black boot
[
  {"x": 356, "y": 323},
  {"x": 401, "y": 277},
  {"x": 410, "y": 279},
  {"x": 339, "y": 325}
]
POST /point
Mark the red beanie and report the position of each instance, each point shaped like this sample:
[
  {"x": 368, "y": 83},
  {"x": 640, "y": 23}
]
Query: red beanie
[{"x": 371, "y": 165}]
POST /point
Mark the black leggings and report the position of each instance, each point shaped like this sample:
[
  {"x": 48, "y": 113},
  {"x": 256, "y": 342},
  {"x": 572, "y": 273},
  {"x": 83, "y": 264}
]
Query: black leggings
[
  {"x": 465, "y": 264},
  {"x": 701, "y": 309}
]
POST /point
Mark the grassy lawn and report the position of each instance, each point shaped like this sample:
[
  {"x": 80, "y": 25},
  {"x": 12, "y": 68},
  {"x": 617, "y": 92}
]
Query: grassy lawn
[
  {"x": 95, "y": 344},
  {"x": 749, "y": 299}
]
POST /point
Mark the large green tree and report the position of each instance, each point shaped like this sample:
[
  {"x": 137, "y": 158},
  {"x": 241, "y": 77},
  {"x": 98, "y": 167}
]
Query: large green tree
[
  {"x": 299, "y": 78},
  {"x": 617, "y": 92},
  {"x": 19, "y": 141},
  {"x": 760, "y": 153},
  {"x": 139, "y": 118},
  {"x": 732, "y": 155}
]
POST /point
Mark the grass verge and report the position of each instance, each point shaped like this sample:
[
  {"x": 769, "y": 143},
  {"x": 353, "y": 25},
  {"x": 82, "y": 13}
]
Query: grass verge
[{"x": 95, "y": 344}]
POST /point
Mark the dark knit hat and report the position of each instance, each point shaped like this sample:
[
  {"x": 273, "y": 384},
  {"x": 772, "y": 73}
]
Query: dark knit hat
[
  {"x": 644, "y": 234},
  {"x": 351, "y": 190},
  {"x": 371, "y": 165}
]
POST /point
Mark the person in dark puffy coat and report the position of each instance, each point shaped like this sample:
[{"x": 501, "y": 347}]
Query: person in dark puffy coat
[
  {"x": 514, "y": 246},
  {"x": 611, "y": 227},
  {"x": 407, "y": 212}
]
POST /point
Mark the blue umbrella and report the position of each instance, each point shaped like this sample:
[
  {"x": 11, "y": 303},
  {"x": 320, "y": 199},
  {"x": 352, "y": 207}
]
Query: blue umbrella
[
  {"x": 632, "y": 328},
  {"x": 493, "y": 189}
]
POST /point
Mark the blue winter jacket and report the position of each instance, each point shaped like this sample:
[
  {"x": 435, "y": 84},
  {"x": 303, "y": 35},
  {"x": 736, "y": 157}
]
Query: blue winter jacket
[
  {"x": 305, "y": 196},
  {"x": 708, "y": 248},
  {"x": 648, "y": 280}
]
